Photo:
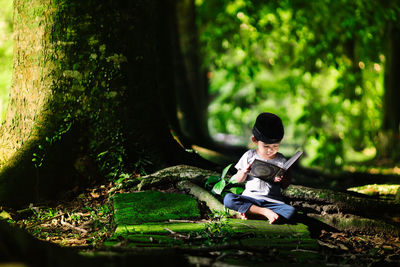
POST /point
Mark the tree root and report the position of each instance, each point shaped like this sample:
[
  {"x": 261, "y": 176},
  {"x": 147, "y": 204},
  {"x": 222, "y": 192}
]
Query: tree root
[
  {"x": 344, "y": 203},
  {"x": 202, "y": 195},
  {"x": 352, "y": 223},
  {"x": 173, "y": 175}
]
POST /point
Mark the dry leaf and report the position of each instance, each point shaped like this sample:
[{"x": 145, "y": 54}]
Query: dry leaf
[{"x": 94, "y": 195}]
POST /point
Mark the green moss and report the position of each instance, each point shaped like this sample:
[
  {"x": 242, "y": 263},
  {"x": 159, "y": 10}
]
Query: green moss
[
  {"x": 261, "y": 234},
  {"x": 235, "y": 225},
  {"x": 263, "y": 227},
  {"x": 153, "y": 206},
  {"x": 160, "y": 228}
]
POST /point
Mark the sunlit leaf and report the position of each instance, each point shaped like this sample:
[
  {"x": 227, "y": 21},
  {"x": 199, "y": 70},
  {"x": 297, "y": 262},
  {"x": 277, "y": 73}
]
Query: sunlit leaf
[
  {"x": 236, "y": 190},
  {"x": 5, "y": 215},
  {"x": 212, "y": 180},
  {"x": 225, "y": 171},
  {"x": 219, "y": 187}
]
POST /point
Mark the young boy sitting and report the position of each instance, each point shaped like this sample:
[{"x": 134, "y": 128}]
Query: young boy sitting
[{"x": 261, "y": 198}]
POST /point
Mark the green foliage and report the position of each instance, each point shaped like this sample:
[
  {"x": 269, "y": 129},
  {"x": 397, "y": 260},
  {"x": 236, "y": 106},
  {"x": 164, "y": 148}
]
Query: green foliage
[
  {"x": 39, "y": 156},
  {"x": 217, "y": 230},
  {"x": 319, "y": 65},
  {"x": 221, "y": 185},
  {"x": 41, "y": 214}
]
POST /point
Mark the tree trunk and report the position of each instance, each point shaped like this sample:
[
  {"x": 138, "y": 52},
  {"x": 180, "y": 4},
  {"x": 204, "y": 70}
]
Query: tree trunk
[
  {"x": 389, "y": 139},
  {"x": 93, "y": 86},
  {"x": 191, "y": 77}
]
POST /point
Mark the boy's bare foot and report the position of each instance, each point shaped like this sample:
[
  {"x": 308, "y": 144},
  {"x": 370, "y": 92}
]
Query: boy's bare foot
[
  {"x": 271, "y": 216},
  {"x": 265, "y": 212}
]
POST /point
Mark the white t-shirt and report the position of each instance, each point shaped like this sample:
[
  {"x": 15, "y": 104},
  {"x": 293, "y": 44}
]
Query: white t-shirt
[{"x": 257, "y": 188}]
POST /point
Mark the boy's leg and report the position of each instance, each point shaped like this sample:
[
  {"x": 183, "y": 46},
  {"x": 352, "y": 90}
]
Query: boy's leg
[
  {"x": 237, "y": 202},
  {"x": 249, "y": 206}
]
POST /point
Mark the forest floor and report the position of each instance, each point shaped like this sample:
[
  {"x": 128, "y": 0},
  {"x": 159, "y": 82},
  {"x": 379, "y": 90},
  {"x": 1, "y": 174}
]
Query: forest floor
[{"x": 86, "y": 222}]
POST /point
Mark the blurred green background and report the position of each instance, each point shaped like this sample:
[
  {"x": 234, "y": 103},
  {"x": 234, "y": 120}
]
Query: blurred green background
[{"x": 317, "y": 64}]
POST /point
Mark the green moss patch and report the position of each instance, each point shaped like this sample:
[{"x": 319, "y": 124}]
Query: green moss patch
[
  {"x": 153, "y": 206},
  {"x": 158, "y": 228},
  {"x": 263, "y": 227},
  {"x": 233, "y": 225},
  {"x": 249, "y": 233}
]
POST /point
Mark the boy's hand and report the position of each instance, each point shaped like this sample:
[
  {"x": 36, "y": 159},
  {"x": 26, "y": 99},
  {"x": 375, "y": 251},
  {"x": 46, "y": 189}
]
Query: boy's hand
[
  {"x": 242, "y": 173},
  {"x": 246, "y": 170},
  {"x": 278, "y": 179}
]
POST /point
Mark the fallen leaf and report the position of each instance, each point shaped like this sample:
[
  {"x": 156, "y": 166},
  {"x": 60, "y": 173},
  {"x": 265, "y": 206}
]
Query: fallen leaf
[
  {"x": 337, "y": 235},
  {"x": 5, "y": 215},
  {"x": 343, "y": 247},
  {"x": 324, "y": 244},
  {"x": 396, "y": 219},
  {"x": 94, "y": 195}
]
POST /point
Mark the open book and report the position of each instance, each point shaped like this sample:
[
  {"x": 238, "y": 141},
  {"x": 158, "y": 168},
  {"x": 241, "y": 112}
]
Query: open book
[{"x": 267, "y": 171}]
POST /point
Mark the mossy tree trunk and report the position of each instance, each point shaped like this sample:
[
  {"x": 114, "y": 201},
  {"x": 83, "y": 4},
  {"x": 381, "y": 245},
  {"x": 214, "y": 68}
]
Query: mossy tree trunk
[{"x": 93, "y": 86}]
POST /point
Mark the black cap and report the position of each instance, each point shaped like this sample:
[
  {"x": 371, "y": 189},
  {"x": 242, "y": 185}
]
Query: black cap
[{"x": 268, "y": 128}]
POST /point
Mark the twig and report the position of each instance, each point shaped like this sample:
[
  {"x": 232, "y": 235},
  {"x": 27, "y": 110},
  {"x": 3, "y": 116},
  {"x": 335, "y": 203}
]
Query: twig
[
  {"x": 176, "y": 234},
  {"x": 71, "y": 226},
  {"x": 304, "y": 250}
]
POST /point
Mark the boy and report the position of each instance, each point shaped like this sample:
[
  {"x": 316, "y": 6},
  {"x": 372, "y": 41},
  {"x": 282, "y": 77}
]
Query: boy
[{"x": 261, "y": 198}]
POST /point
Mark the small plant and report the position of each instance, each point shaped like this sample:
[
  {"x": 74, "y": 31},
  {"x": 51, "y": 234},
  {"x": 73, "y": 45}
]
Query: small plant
[
  {"x": 222, "y": 185},
  {"x": 75, "y": 217},
  {"x": 217, "y": 230}
]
